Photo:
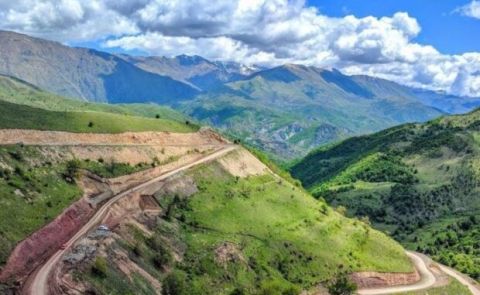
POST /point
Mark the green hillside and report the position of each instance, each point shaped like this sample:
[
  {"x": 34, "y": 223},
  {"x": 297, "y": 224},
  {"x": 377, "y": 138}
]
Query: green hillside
[
  {"x": 277, "y": 238},
  {"x": 419, "y": 182},
  {"x": 17, "y": 91},
  {"x": 26, "y": 107}
]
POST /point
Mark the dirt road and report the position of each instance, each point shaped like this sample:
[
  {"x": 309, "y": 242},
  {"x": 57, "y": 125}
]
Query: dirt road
[
  {"x": 428, "y": 279},
  {"x": 38, "y": 285},
  {"x": 464, "y": 280}
]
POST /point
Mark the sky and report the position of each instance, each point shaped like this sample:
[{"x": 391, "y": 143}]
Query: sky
[{"x": 432, "y": 44}]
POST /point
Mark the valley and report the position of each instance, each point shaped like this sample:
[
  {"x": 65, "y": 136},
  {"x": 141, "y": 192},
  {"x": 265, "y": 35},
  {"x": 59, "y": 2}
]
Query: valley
[
  {"x": 176, "y": 175},
  {"x": 418, "y": 182}
]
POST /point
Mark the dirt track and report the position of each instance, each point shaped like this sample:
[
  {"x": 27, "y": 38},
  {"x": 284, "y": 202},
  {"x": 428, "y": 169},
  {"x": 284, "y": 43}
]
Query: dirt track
[
  {"x": 38, "y": 283},
  {"x": 428, "y": 279},
  {"x": 36, "y": 137}
]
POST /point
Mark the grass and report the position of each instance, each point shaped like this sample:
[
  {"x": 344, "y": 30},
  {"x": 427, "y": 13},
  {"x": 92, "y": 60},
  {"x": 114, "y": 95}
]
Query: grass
[
  {"x": 282, "y": 240},
  {"x": 26, "y": 107},
  {"x": 287, "y": 238},
  {"x": 19, "y": 92},
  {"x": 31, "y": 195},
  {"x": 25, "y": 117}
]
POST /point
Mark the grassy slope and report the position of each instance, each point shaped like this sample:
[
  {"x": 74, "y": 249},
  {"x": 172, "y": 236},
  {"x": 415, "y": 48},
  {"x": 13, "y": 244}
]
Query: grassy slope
[
  {"x": 419, "y": 182},
  {"x": 285, "y": 239},
  {"x": 30, "y": 195},
  {"x": 24, "y": 106},
  {"x": 25, "y": 117},
  {"x": 33, "y": 190}
]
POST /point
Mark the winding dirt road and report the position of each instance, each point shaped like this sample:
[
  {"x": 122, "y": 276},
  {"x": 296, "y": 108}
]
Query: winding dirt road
[
  {"x": 38, "y": 285},
  {"x": 427, "y": 280}
]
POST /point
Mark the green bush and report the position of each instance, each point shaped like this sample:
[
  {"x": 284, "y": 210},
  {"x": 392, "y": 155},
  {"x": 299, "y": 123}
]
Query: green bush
[
  {"x": 99, "y": 268},
  {"x": 175, "y": 284},
  {"x": 341, "y": 285}
]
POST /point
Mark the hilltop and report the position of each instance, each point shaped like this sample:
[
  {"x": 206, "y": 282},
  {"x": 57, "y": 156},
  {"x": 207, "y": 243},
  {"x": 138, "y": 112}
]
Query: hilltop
[
  {"x": 25, "y": 106},
  {"x": 419, "y": 182}
]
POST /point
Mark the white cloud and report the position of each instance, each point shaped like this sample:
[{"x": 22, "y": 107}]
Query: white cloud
[
  {"x": 269, "y": 32},
  {"x": 471, "y": 9}
]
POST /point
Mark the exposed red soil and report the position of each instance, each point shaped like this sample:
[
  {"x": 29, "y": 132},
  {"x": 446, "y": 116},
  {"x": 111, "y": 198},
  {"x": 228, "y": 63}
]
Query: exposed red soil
[
  {"x": 368, "y": 279},
  {"x": 32, "y": 251}
]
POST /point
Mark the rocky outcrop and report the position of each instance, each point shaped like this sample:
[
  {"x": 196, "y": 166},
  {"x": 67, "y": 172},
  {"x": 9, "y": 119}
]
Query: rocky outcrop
[
  {"x": 32, "y": 251},
  {"x": 378, "y": 279}
]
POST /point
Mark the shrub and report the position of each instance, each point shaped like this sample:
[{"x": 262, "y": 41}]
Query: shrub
[
  {"x": 90, "y": 124},
  {"x": 72, "y": 170},
  {"x": 99, "y": 268},
  {"x": 175, "y": 284},
  {"x": 341, "y": 285}
]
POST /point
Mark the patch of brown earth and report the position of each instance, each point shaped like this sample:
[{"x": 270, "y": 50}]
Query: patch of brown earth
[
  {"x": 367, "y": 280},
  {"x": 228, "y": 252},
  {"x": 148, "y": 202},
  {"x": 37, "y": 137},
  {"x": 32, "y": 251},
  {"x": 242, "y": 163}
]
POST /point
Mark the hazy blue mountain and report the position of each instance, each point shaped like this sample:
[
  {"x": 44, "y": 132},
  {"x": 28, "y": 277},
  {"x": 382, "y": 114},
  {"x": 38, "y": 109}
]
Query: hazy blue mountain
[
  {"x": 194, "y": 70},
  {"x": 84, "y": 73},
  {"x": 289, "y": 110},
  {"x": 286, "y": 110}
]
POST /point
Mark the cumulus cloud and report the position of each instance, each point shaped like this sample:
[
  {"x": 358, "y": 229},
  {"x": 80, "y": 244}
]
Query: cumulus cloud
[
  {"x": 267, "y": 32},
  {"x": 471, "y": 9}
]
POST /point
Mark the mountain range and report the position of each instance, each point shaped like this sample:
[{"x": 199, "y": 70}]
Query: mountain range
[{"x": 286, "y": 110}]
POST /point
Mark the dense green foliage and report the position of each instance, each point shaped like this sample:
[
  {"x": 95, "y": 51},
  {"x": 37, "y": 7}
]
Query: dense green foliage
[{"x": 419, "y": 182}]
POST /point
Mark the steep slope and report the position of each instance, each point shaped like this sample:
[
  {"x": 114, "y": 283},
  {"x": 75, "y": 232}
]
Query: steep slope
[
  {"x": 226, "y": 225},
  {"x": 195, "y": 70},
  {"x": 420, "y": 182},
  {"x": 290, "y": 109},
  {"x": 83, "y": 73}
]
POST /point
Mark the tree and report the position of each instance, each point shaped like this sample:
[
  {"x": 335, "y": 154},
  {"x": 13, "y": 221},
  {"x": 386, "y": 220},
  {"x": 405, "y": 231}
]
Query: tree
[
  {"x": 72, "y": 170},
  {"x": 342, "y": 285},
  {"x": 157, "y": 116},
  {"x": 90, "y": 124}
]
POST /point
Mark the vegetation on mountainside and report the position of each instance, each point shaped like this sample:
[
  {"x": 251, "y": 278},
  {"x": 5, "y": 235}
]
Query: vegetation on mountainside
[
  {"x": 19, "y": 92},
  {"x": 289, "y": 110},
  {"x": 15, "y": 116},
  {"x": 419, "y": 182},
  {"x": 255, "y": 235},
  {"x": 33, "y": 191}
]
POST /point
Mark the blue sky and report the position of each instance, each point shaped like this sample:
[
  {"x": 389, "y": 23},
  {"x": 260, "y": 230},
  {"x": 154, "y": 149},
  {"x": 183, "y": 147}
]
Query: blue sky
[
  {"x": 449, "y": 32},
  {"x": 431, "y": 44}
]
